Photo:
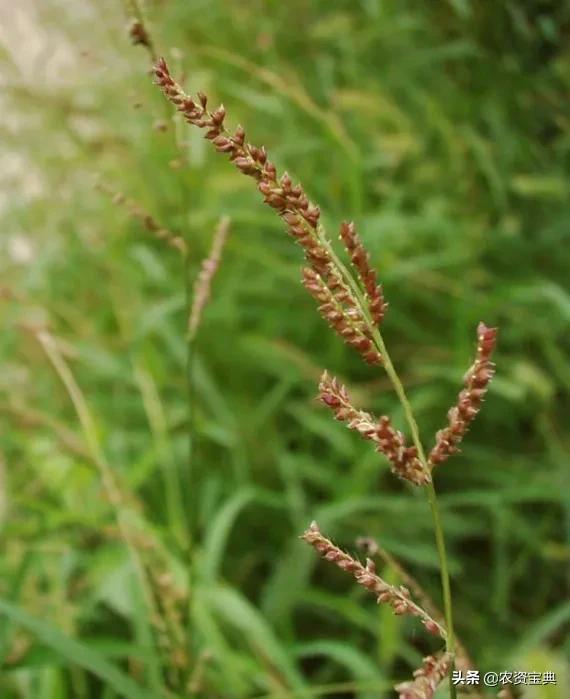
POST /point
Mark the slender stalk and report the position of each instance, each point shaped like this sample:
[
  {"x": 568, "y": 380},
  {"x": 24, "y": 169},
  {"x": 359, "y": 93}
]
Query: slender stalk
[
  {"x": 401, "y": 393},
  {"x": 189, "y": 371},
  {"x": 432, "y": 499},
  {"x": 190, "y": 483},
  {"x": 445, "y": 582}
]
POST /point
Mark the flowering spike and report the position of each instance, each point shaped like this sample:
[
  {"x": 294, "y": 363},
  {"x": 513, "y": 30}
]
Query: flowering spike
[
  {"x": 476, "y": 383},
  {"x": 397, "y": 597},
  {"x": 361, "y": 262},
  {"x": 249, "y": 159},
  {"x": 338, "y": 308},
  {"x": 390, "y": 442},
  {"x": 324, "y": 278}
]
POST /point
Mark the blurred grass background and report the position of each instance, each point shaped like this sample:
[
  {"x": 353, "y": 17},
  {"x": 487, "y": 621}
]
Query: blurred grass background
[{"x": 443, "y": 130}]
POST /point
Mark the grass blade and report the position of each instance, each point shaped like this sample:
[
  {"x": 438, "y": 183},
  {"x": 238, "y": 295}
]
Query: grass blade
[{"x": 76, "y": 652}]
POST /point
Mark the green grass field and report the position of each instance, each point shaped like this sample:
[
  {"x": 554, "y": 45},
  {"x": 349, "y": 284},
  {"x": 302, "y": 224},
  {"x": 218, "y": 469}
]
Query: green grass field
[{"x": 443, "y": 130}]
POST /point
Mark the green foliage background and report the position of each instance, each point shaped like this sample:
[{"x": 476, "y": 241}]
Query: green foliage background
[{"x": 443, "y": 130}]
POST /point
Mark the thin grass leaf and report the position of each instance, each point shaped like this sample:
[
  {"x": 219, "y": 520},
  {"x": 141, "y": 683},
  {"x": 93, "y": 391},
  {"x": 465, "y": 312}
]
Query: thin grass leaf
[{"x": 76, "y": 652}]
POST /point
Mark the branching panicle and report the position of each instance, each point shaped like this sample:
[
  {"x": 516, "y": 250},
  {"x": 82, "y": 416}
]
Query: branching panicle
[
  {"x": 389, "y": 441},
  {"x": 470, "y": 399},
  {"x": 427, "y": 678},
  {"x": 397, "y": 597},
  {"x": 352, "y": 302}
]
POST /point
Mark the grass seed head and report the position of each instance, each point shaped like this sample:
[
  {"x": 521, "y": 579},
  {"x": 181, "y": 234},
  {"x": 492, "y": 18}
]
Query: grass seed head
[
  {"x": 398, "y": 597},
  {"x": 403, "y": 459},
  {"x": 476, "y": 383},
  {"x": 361, "y": 262},
  {"x": 323, "y": 278}
]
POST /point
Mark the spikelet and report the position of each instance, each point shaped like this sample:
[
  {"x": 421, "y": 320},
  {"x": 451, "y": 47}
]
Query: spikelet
[
  {"x": 372, "y": 548},
  {"x": 476, "y": 383},
  {"x": 203, "y": 284},
  {"x": 404, "y": 460},
  {"x": 397, "y": 597},
  {"x": 361, "y": 262},
  {"x": 427, "y": 678}
]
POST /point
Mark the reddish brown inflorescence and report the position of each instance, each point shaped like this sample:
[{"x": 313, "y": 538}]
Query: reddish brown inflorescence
[
  {"x": 427, "y": 678},
  {"x": 397, "y": 597},
  {"x": 324, "y": 280},
  {"x": 389, "y": 441},
  {"x": 476, "y": 383},
  {"x": 338, "y": 307},
  {"x": 361, "y": 262}
]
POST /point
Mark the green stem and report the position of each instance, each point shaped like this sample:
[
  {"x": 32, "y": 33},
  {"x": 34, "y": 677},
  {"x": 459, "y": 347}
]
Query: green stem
[
  {"x": 401, "y": 393},
  {"x": 190, "y": 482},
  {"x": 445, "y": 582},
  {"x": 432, "y": 499},
  {"x": 191, "y": 472}
]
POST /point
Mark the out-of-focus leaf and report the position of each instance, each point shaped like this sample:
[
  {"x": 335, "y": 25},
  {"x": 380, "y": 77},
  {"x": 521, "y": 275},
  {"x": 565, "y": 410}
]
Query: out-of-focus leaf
[{"x": 75, "y": 652}]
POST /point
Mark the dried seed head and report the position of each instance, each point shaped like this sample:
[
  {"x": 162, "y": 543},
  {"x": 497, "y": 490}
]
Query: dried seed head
[
  {"x": 427, "y": 678},
  {"x": 404, "y": 460},
  {"x": 397, "y": 597},
  {"x": 476, "y": 382}
]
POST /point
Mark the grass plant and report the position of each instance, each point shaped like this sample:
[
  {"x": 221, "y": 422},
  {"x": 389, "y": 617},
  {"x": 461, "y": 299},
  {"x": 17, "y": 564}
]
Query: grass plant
[{"x": 443, "y": 131}]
